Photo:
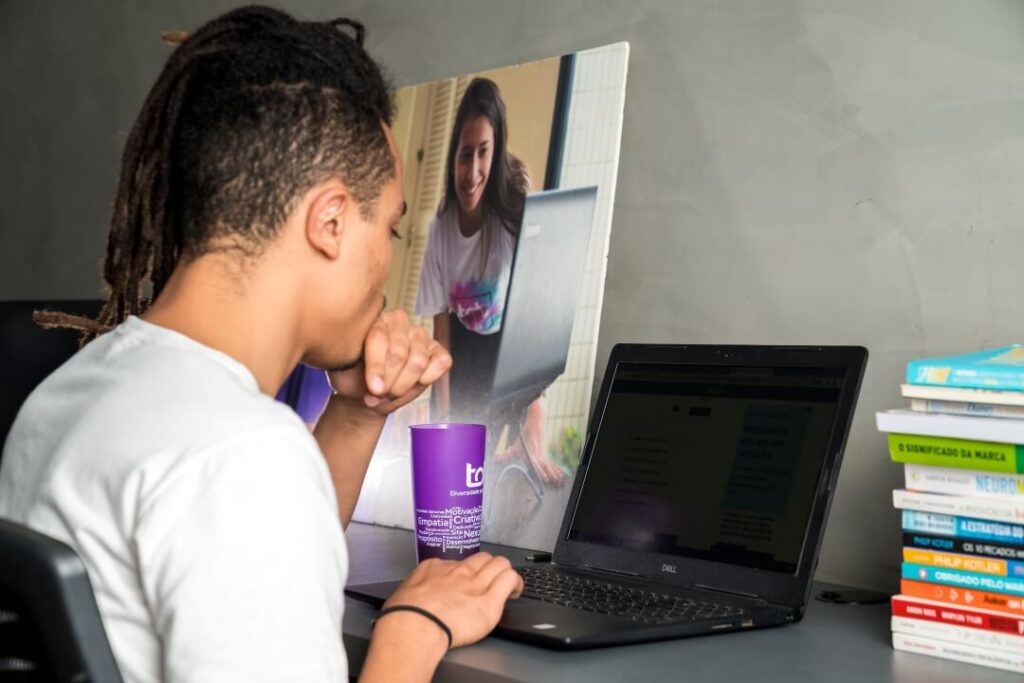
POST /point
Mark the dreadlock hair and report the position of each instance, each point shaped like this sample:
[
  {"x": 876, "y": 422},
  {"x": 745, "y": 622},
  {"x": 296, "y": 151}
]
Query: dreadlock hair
[
  {"x": 508, "y": 180},
  {"x": 251, "y": 111}
]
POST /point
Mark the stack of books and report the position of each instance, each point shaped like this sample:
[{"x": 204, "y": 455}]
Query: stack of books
[{"x": 962, "y": 448}]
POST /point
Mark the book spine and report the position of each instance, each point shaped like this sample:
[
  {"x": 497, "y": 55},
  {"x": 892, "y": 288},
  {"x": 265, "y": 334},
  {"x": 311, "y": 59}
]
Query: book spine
[
  {"x": 959, "y": 482},
  {"x": 998, "y": 602},
  {"x": 997, "y": 509},
  {"x": 911, "y": 608},
  {"x": 965, "y": 428},
  {"x": 970, "y": 375},
  {"x": 959, "y": 652},
  {"x": 1008, "y": 398},
  {"x": 958, "y": 634},
  {"x": 964, "y": 546},
  {"x": 963, "y": 527},
  {"x": 970, "y": 580},
  {"x": 932, "y": 405},
  {"x": 988, "y": 456},
  {"x": 967, "y": 563}
]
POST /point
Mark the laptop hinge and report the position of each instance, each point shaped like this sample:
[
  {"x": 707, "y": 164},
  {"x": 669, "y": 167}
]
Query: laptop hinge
[{"x": 725, "y": 591}]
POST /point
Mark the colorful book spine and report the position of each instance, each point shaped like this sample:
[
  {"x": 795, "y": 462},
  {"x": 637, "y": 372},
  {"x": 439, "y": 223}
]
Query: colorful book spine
[
  {"x": 958, "y": 634},
  {"x": 997, "y": 602},
  {"x": 988, "y": 456},
  {"x": 954, "y": 481},
  {"x": 931, "y": 405},
  {"x": 998, "y": 509},
  {"x": 963, "y": 527},
  {"x": 970, "y": 580},
  {"x": 969, "y": 563},
  {"x": 963, "y": 427},
  {"x": 916, "y": 608},
  {"x": 963, "y": 546},
  {"x": 1001, "y": 368},
  {"x": 959, "y": 652}
]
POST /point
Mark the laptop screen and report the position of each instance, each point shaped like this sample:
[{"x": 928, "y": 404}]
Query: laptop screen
[{"x": 719, "y": 463}]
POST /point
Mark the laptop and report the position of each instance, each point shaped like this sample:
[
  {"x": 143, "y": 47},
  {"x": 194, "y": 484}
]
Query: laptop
[
  {"x": 700, "y": 502},
  {"x": 543, "y": 292},
  {"x": 510, "y": 369}
]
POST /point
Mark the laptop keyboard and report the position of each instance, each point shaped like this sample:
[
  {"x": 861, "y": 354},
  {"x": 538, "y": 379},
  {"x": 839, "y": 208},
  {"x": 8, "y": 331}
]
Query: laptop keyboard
[{"x": 641, "y": 606}]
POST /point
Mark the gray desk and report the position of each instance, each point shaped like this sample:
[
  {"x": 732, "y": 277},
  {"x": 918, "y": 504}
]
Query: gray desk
[{"x": 833, "y": 643}]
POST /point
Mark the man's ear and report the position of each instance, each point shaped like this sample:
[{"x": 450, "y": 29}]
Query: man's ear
[{"x": 325, "y": 220}]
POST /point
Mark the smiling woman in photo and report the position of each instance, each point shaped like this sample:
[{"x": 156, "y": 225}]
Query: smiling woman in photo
[{"x": 468, "y": 262}]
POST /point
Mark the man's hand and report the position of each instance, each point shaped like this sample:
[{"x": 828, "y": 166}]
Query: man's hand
[
  {"x": 400, "y": 361},
  {"x": 468, "y": 596}
]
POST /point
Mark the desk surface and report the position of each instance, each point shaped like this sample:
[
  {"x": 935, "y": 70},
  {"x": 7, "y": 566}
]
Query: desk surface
[{"x": 837, "y": 643}]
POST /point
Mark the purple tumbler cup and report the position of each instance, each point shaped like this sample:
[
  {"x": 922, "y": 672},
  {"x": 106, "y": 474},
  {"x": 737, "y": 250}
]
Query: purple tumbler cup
[{"x": 447, "y": 489}]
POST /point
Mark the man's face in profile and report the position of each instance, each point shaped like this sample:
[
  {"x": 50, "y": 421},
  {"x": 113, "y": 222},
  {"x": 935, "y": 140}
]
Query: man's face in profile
[{"x": 362, "y": 269}]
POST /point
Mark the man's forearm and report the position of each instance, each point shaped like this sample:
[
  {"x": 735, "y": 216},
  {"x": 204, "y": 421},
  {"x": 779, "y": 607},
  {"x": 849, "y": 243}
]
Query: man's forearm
[{"x": 348, "y": 433}]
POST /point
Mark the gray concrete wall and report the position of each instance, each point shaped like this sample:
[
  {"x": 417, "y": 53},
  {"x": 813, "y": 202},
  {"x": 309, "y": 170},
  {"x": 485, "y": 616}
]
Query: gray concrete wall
[{"x": 841, "y": 171}]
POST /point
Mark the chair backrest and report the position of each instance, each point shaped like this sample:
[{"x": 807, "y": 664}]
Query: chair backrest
[
  {"x": 50, "y": 626},
  {"x": 28, "y": 353}
]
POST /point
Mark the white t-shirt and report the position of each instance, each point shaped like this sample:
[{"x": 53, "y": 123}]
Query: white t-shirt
[
  {"x": 202, "y": 508},
  {"x": 451, "y": 278}
]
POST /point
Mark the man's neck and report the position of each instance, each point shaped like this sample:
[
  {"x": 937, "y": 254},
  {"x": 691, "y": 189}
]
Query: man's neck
[{"x": 242, "y": 313}]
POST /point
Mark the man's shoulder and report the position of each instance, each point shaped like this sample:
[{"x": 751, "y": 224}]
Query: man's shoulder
[
  {"x": 172, "y": 383},
  {"x": 270, "y": 457},
  {"x": 119, "y": 404}
]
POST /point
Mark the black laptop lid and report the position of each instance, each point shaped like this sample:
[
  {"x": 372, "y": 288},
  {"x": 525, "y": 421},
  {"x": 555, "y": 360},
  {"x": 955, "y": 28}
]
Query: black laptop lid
[{"x": 713, "y": 466}]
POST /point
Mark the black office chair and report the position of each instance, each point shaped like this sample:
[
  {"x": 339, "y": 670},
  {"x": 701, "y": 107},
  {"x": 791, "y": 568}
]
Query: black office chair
[{"x": 50, "y": 627}]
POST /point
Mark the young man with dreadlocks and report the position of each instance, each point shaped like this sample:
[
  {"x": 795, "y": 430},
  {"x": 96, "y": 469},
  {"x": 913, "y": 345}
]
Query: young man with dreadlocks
[{"x": 259, "y": 190}]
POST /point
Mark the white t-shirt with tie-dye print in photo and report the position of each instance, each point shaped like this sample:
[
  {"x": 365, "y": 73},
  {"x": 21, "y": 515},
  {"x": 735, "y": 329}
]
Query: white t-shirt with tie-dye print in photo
[{"x": 456, "y": 278}]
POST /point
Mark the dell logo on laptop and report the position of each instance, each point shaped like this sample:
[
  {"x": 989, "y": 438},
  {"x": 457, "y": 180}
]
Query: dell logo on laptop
[{"x": 669, "y": 568}]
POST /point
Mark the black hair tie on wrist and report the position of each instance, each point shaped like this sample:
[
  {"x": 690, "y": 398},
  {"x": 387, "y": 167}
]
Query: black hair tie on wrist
[{"x": 418, "y": 610}]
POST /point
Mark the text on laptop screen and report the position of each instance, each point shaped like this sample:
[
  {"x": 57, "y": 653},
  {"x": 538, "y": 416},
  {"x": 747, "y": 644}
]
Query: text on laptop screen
[{"x": 719, "y": 463}]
